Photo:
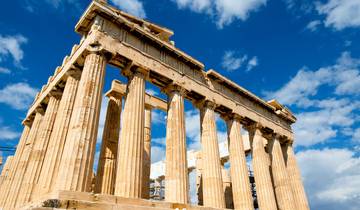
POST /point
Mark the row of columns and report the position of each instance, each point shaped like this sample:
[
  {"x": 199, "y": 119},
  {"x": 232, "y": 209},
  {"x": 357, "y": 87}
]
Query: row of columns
[{"x": 56, "y": 150}]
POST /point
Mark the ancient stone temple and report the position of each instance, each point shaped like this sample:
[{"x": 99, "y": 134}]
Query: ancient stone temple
[{"x": 53, "y": 166}]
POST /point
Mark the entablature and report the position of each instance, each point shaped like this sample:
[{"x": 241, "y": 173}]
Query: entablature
[{"x": 152, "y": 33}]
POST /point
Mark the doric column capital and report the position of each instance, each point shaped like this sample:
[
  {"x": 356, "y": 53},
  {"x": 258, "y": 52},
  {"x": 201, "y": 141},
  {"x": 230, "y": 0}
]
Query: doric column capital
[
  {"x": 114, "y": 95},
  {"x": 148, "y": 106},
  {"x": 97, "y": 48},
  {"x": 132, "y": 69},
  {"x": 281, "y": 138},
  {"x": 28, "y": 122},
  {"x": 174, "y": 87},
  {"x": 254, "y": 127},
  {"x": 40, "y": 110},
  {"x": 55, "y": 93},
  {"x": 228, "y": 117},
  {"x": 288, "y": 144},
  {"x": 205, "y": 104},
  {"x": 74, "y": 72}
]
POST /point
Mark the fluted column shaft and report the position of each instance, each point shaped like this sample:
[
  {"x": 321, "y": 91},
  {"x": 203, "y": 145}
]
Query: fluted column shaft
[
  {"x": 54, "y": 152},
  {"x": 213, "y": 194},
  {"x": 261, "y": 166},
  {"x": 38, "y": 153},
  {"x": 76, "y": 165},
  {"x": 8, "y": 183},
  {"x": 5, "y": 170},
  {"x": 131, "y": 147},
  {"x": 283, "y": 192},
  {"x": 238, "y": 169},
  {"x": 24, "y": 159},
  {"x": 297, "y": 186},
  {"x": 176, "y": 177},
  {"x": 147, "y": 155},
  {"x": 105, "y": 177}
]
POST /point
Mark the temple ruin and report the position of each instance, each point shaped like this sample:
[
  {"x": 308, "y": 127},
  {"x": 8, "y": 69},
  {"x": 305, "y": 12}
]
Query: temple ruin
[{"x": 52, "y": 167}]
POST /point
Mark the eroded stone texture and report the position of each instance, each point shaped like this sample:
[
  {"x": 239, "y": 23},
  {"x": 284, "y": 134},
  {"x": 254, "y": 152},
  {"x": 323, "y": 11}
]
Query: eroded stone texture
[
  {"x": 147, "y": 155},
  {"x": 295, "y": 178},
  {"x": 8, "y": 183},
  {"x": 176, "y": 176},
  {"x": 213, "y": 194},
  {"x": 239, "y": 171},
  {"x": 282, "y": 187},
  {"x": 6, "y": 168},
  {"x": 50, "y": 169},
  {"x": 23, "y": 162},
  {"x": 76, "y": 166},
  {"x": 105, "y": 177},
  {"x": 131, "y": 147},
  {"x": 38, "y": 152},
  {"x": 261, "y": 164}
]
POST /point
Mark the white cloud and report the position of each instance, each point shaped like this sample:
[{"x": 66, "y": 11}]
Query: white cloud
[
  {"x": 230, "y": 10},
  {"x": 192, "y": 122},
  {"x": 356, "y": 135},
  {"x": 318, "y": 126},
  {"x": 253, "y": 62},
  {"x": 160, "y": 141},
  {"x": 6, "y": 133},
  {"x": 195, "y": 5},
  {"x": 344, "y": 76},
  {"x": 18, "y": 95},
  {"x": 102, "y": 118},
  {"x": 331, "y": 178},
  {"x": 224, "y": 11},
  {"x": 231, "y": 61},
  {"x": 134, "y": 7},
  {"x": 333, "y": 112},
  {"x": 11, "y": 45},
  {"x": 4, "y": 70},
  {"x": 305, "y": 6},
  {"x": 96, "y": 160},
  {"x": 157, "y": 153},
  {"x": 151, "y": 92},
  {"x": 340, "y": 14},
  {"x": 313, "y": 25},
  {"x": 158, "y": 117}
]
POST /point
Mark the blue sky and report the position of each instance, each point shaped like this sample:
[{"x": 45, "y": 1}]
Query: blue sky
[{"x": 304, "y": 53}]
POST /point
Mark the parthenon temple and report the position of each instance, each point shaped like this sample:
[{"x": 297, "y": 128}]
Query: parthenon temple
[{"x": 53, "y": 166}]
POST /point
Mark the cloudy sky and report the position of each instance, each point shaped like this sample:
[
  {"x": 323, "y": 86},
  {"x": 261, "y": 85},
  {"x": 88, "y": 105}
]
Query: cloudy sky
[{"x": 304, "y": 53}]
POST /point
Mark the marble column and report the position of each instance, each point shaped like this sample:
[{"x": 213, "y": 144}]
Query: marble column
[
  {"x": 238, "y": 169},
  {"x": 131, "y": 148},
  {"x": 76, "y": 165},
  {"x": 176, "y": 176},
  {"x": 282, "y": 187},
  {"x": 260, "y": 161},
  {"x": 105, "y": 176},
  {"x": 38, "y": 153},
  {"x": 147, "y": 155},
  {"x": 199, "y": 181},
  {"x": 6, "y": 168},
  {"x": 213, "y": 194},
  {"x": 55, "y": 148},
  {"x": 24, "y": 159},
  {"x": 297, "y": 187},
  {"x": 5, "y": 187},
  {"x": 227, "y": 185}
]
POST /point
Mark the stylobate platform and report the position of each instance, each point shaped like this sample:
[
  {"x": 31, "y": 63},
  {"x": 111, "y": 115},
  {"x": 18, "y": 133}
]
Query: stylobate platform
[{"x": 91, "y": 201}]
